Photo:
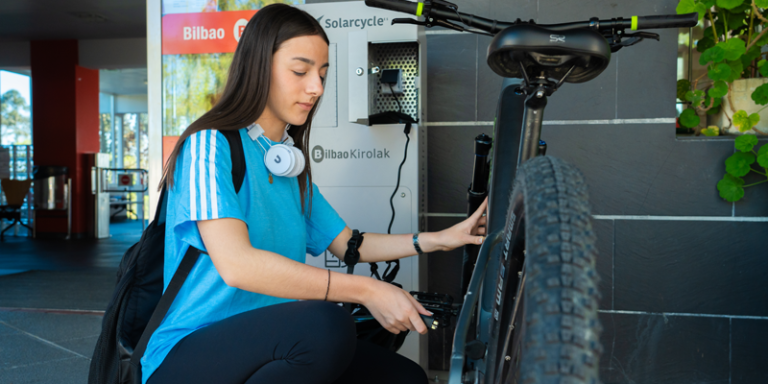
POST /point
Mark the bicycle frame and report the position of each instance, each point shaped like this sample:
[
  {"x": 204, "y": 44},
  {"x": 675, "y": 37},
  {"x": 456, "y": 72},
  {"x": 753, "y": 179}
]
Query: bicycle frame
[{"x": 517, "y": 130}]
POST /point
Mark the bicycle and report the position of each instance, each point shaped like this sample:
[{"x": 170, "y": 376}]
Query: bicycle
[{"x": 539, "y": 237}]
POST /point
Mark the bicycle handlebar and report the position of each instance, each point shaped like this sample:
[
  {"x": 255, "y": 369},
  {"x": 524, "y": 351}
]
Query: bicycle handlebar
[
  {"x": 408, "y": 7},
  {"x": 494, "y": 26},
  {"x": 665, "y": 21}
]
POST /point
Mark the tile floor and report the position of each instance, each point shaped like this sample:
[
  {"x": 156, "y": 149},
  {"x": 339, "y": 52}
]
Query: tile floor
[{"x": 50, "y": 314}]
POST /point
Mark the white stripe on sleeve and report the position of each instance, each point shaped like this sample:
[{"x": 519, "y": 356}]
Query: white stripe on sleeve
[
  {"x": 212, "y": 176},
  {"x": 192, "y": 190},
  {"x": 202, "y": 186}
]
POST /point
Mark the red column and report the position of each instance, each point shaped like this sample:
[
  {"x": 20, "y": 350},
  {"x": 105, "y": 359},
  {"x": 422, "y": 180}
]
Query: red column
[{"x": 65, "y": 112}]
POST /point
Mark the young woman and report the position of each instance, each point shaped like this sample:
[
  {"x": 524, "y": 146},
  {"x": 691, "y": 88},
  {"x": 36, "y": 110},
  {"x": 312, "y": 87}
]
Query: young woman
[{"x": 251, "y": 310}]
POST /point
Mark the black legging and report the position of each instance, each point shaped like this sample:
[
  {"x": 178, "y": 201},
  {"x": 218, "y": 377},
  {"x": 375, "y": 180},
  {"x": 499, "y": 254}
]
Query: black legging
[{"x": 303, "y": 342}]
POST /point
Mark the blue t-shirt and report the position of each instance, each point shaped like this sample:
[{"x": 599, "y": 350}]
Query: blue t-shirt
[{"x": 203, "y": 190}]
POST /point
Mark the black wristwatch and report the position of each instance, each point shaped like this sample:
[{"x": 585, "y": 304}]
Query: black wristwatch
[{"x": 416, "y": 243}]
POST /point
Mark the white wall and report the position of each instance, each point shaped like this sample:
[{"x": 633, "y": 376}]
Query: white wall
[{"x": 113, "y": 53}]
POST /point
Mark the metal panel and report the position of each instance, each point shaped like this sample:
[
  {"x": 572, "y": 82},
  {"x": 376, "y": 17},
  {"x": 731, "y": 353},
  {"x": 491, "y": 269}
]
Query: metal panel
[
  {"x": 356, "y": 166},
  {"x": 328, "y": 111},
  {"x": 357, "y": 73},
  {"x": 154, "y": 101},
  {"x": 402, "y": 56}
]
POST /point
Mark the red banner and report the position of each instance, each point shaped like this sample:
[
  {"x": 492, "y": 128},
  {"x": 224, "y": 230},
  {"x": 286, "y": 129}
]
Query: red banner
[{"x": 207, "y": 32}]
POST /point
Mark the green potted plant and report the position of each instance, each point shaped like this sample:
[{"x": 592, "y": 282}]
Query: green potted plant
[
  {"x": 733, "y": 91},
  {"x": 742, "y": 163}
]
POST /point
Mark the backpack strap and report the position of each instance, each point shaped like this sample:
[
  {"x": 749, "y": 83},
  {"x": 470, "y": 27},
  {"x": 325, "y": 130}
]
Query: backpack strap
[
  {"x": 190, "y": 257},
  {"x": 238, "y": 157},
  {"x": 162, "y": 309}
]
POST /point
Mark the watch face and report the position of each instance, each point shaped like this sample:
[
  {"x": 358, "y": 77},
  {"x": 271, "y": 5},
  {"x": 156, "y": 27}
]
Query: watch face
[{"x": 279, "y": 160}]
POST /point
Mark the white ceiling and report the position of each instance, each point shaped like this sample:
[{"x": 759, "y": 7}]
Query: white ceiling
[{"x": 23, "y": 20}]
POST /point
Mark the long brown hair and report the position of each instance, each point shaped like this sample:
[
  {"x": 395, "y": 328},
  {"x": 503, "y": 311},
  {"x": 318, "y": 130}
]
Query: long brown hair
[{"x": 245, "y": 94}]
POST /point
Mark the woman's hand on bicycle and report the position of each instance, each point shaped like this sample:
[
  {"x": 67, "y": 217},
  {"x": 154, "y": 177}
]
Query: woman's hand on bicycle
[
  {"x": 470, "y": 231},
  {"x": 395, "y": 309}
]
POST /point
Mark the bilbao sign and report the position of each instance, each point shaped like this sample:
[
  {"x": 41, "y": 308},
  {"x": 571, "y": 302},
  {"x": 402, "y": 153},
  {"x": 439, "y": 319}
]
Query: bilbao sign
[{"x": 206, "y": 32}]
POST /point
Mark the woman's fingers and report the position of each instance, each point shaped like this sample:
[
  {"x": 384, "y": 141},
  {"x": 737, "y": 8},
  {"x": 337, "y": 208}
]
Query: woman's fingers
[
  {"x": 418, "y": 324},
  {"x": 416, "y": 318},
  {"x": 480, "y": 210}
]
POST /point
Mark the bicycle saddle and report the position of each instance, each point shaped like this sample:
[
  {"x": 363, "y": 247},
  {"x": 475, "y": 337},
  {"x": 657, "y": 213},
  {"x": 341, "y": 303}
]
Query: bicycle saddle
[{"x": 553, "y": 53}]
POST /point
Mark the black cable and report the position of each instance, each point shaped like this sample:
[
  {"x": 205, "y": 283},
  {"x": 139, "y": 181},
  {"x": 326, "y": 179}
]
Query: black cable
[
  {"x": 399, "y": 107},
  {"x": 397, "y": 185},
  {"x": 390, "y": 277}
]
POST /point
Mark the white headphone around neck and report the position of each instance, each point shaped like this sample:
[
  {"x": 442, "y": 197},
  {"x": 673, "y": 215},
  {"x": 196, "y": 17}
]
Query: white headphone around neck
[{"x": 281, "y": 159}]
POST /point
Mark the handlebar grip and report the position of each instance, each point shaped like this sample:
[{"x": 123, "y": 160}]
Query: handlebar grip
[
  {"x": 665, "y": 21},
  {"x": 408, "y": 7}
]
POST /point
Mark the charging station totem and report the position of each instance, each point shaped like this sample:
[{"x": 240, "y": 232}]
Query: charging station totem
[{"x": 354, "y": 164}]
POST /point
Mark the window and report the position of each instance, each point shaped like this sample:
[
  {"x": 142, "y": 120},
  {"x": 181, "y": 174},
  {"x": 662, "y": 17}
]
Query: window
[{"x": 15, "y": 109}]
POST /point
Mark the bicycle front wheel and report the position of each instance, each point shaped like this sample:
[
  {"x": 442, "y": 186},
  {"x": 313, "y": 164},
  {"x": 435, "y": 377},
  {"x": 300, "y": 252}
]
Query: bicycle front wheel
[{"x": 548, "y": 331}]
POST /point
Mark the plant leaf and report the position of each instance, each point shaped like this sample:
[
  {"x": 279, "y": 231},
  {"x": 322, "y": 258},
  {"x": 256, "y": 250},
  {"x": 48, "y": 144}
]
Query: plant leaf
[
  {"x": 754, "y": 118},
  {"x": 706, "y": 42},
  {"x": 736, "y": 18},
  {"x": 733, "y": 48},
  {"x": 745, "y": 143},
  {"x": 751, "y": 55},
  {"x": 712, "y": 130},
  {"x": 760, "y": 95},
  {"x": 688, "y": 6},
  {"x": 762, "y": 68},
  {"x": 738, "y": 163},
  {"x": 728, "y": 4},
  {"x": 743, "y": 7},
  {"x": 736, "y": 69},
  {"x": 695, "y": 97},
  {"x": 761, "y": 3},
  {"x": 745, "y": 122},
  {"x": 763, "y": 40},
  {"x": 683, "y": 86},
  {"x": 715, "y": 54},
  {"x": 719, "y": 72},
  {"x": 730, "y": 188},
  {"x": 718, "y": 90},
  {"x": 762, "y": 156},
  {"x": 717, "y": 103},
  {"x": 689, "y": 118}
]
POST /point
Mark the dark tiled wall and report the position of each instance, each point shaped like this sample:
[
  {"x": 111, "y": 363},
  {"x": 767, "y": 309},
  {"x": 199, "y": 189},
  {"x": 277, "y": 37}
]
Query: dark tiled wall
[
  {"x": 675, "y": 290},
  {"x": 684, "y": 299}
]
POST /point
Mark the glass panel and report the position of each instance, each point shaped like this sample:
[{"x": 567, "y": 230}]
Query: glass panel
[
  {"x": 118, "y": 151},
  {"x": 143, "y": 141},
  {"x": 191, "y": 86},
  {"x": 129, "y": 140},
  {"x": 15, "y": 109},
  {"x": 105, "y": 133}
]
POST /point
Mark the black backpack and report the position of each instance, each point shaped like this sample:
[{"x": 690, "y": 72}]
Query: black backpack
[{"x": 138, "y": 304}]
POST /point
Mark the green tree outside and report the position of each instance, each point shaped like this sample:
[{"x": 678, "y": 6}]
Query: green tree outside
[{"x": 15, "y": 127}]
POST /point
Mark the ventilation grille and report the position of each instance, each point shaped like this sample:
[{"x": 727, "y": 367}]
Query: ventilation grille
[{"x": 404, "y": 56}]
